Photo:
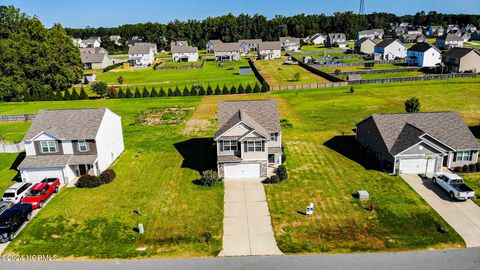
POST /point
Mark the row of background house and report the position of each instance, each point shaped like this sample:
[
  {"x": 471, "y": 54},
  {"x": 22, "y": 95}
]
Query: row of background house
[
  {"x": 182, "y": 52},
  {"x": 231, "y": 51},
  {"x": 91, "y": 42}
]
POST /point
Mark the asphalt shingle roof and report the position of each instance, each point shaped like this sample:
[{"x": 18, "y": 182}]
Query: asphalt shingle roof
[
  {"x": 458, "y": 52},
  {"x": 421, "y": 47},
  {"x": 48, "y": 161},
  {"x": 184, "y": 49},
  {"x": 78, "y": 124},
  {"x": 139, "y": 49},
  {"x": 385, "y": 43},
  {"x": 270, "y": 45},
  {"x": 227, "y": 47}
]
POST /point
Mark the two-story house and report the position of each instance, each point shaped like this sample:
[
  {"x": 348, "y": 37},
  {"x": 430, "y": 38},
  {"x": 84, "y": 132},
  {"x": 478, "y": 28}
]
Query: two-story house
[
  {"x": 210, "y": 46},
  {"x": 461, "y": 60},
  {"x": 423, "y": 55},
  {"x": 365, "y": 45},
  {"x": 269, "y": 50},
  {"x": 449, "y": 41},
  {"x": 227, "y": 51},
  {"x": 435, "y": 31},
  {"x": 95, "y": 58},
  {"x": 390, "y": 49},
  {"x": 184, "y": 54},
  {"x": 373, "y": 33},
  {"x": 249, "y": 138},
  {"x": 66, "y": 144},
  {"x": 290, "y": 43},
  {"x": 140, "y": 56},
  {"x": 336, "y": 40},
  {"x": 249, "y": 45}
]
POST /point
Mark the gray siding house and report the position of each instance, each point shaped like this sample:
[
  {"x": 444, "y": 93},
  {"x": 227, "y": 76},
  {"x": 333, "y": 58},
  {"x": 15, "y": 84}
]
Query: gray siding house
[
  {"x": 416, "y": 143},
  {"x": 462, "y": 60},
  {"x": 249, "y": 138}
]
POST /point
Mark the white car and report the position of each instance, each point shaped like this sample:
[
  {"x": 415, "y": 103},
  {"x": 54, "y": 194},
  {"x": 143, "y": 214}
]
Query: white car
[
  {"x": 454, "y": 186},
  {"x": 16, "y": 192}
]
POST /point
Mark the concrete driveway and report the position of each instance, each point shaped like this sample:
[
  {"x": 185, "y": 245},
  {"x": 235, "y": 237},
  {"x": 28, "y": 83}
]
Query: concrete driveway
[
  {"x": 464, "y": 217},
  {"x": 247, "y": 227}
]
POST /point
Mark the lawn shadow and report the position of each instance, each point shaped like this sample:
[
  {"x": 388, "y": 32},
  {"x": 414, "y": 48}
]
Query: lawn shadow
[
  {"x": 350, "y": 148},
  {"x": 428, "y": 183},
  {"x": 20, "y": 157},
  {"x": 198, "y": 154},
  {"x": 475, "y": 130},
  {"x": 301, "y": 213}
]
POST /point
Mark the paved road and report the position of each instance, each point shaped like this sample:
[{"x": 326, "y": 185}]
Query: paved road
[
  {"x": 458, "y": 259},
  {"x": 247, "y": 228},
  {"x": 464, "y": 217}
]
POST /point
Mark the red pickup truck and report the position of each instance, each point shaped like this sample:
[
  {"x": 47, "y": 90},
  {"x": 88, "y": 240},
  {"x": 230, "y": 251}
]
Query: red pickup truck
[{"x": 40, "y": 192}]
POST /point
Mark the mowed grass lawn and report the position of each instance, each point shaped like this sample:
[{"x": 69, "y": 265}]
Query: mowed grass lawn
[
  {"x": 275, "y": 72},
  {"x": 391, "y": 75},
  {"x": 360, "y": 67},
  {"x": 211, "y": 73},
  {"x": 180, "y": 219},
  {"x": 473, "y": 181}
]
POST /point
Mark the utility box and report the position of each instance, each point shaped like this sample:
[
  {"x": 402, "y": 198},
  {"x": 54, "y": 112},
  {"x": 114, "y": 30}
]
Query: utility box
[
  {"x": 245, "y": 70},
  {"x": 363, "y": 195}
]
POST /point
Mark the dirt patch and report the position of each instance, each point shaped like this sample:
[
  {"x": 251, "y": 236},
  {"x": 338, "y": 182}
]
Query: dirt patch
[{"x": 163, "y": 116}]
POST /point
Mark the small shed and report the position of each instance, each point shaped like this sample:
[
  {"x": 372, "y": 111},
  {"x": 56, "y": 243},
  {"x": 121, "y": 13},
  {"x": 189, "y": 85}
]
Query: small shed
[
  {"x": 245, "y": 70},
  {"x": 363, "y": 195},
  {"x": 89, "y": 78},
  {"x": 307, "y": 59}
]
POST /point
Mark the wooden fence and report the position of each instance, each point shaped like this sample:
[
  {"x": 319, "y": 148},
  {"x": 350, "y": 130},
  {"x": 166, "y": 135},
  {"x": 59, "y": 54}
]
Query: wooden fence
[
  {"x": 318, "y": 72},
  {"x": 377, "y": 71},
  {"x": 159, "y": 67},
  {"x": 396, "y": 61},
  {"x": 257, "y": 74},
  {"x": 12, "y": 147},
  {"x": 320, "y": 51},
  {"x": 415, "y": 78},
  {"x": 16, "y": 117},
  {"x": 307, "y": 86}
]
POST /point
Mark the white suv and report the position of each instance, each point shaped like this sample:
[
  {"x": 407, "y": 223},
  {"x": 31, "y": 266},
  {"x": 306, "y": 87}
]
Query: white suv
[{"x": 16, "y": 192}]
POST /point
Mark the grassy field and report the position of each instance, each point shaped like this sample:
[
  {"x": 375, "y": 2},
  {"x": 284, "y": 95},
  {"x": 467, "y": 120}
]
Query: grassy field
[
  {"x": 211, "y": 73},
  {"x": 185, "y": 220},
  {"x": 12, "y": 132},
  {"x": 361, "y": 67},
  {"x": 391, "y": 75},
  {"x": 277, "y": 73},
  {"x": 181, "y": 64},
  {"x": 473, "y": 181},
  {"x": 119, "y": 57},
  {"x": 181, "y": 219}
]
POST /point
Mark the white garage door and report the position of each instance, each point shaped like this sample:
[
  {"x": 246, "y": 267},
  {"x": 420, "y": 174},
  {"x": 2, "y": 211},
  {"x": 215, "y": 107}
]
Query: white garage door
[
  {"x": 418, "y": 165},
  {"x": 37, "y": 175},
  {"x": 242, "y": 171}
]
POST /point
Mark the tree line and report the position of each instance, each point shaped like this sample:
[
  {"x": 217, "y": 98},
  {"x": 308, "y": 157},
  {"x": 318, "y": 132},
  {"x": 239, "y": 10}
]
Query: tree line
[{"x": 230, "y": 28}]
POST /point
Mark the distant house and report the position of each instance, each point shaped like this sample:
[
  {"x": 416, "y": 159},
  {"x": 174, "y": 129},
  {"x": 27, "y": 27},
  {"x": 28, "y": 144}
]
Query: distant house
[
  {"x": 449, "y": 41},
  {"x": 91, "y": 42},
  {"x": 435, "y": 31},
  {"x": 469, "y": 28},
  {"x": 451, "y": 28},
  {"x": 152, "y": 45},
  {"x": 210, "y": 46},
  {"x": 412, "y": 38},
  {"x": 131, "y": 42},
  {"x": 178, "y": 43},
  {"x": 462, "y": 60},
  {"x": 184, "y": 54},
  {"x": 95, "y": 58},
  {"x": 390, "y": 49},
  {"x": 140, "y": 56},
  {"x": 89, "y": 78},
  {"x": 249, "y": 45},
  {"x": 466, "y": 37},
  {"x": 268, "y": 50},
  {"x": 316, "y": 39},
  {"x": 78, "y": 42},
  {"x": 365, "y": 45},
  {"x": 373, "y": 33},
  {"x": 290, "y": 43},
  {"x": 227, "y": 52},
  {"x": 476, "y": 35},
  {"x": 423, "y": 55},
  {"x": 336, "y": 40},
  {"x": 115, "y": 39}
]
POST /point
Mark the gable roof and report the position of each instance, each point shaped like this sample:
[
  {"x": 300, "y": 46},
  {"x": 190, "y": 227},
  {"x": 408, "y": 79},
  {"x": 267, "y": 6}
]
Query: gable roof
[
  {"x": 227, "y": 47},
  {"x": 92, "y": 55},
  {"x": 262, "y": 115},
  {"x": 447, "y": 127},
  {"x": 290, "y": 39},
  {"x": 337, "y": 36},
  {"x": 366, "y": 39},
  {"x": 459, "y": 52},
  {"x": 76, "y": 124},
  {"x": 422, "y": 47},
  {"x": 270, "y": 45},
  {"x": 371, "y": 32},
  {"x": 451, "y": 37},
  {"x": 184, "y": 49},
  {"x": 385, "y": 43},
  {"x": 179, "y": 43},
  {"x": 139, "y": 49}
]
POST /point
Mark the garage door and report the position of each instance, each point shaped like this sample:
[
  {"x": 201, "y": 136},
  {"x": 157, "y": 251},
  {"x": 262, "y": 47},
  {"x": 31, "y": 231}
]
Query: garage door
[
  {"x": 242, "y": 171},
  {"x": 36, "y": 175},
  {"x": 418, "y": 165}
]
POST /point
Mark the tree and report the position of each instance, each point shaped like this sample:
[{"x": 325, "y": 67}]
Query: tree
[
  {"x": 297, "y": 76},
  {"x": 121, "y": 94},
  {"x": 256, "y": 88},
  {"x": 209, "y": 90},
  {"x": 137, "y": 93},
  {"x": 120, "y": 79},
  {"x": 248, "y": 89},
  {"x": 153, "y": 92},
  {"x": 233, "y": 90},
  {"x": 145, "y": 92},
  {"x": 170, "y": 92},
  {"x": 412, "y": 105},
  {"x": 162, "y": 92},
  {"x": 66, "y": 95},
  {"x": 186, "y": 92},
  {"x": 100, "y": 88},
  {"x": 112, "y": 92},
  {"x": 128, "y": 93},
  {"x": 36, "y": 95},
  {"x": 177, "y": 92},
  {"x": 201, "y": 91},
  {"x": 264, "y": 87},
  {"x": 352, "y": 90},
  {"x": 193, "y": 91},
  {"x": 225, "y": 90},
  {"x": 75, "y": 95},
  {"x": 217, "y": 90},
  {"x": 58, "y": 95},
  {"x": 83, "y": 94},
  {"x": 26, "y": 96},
  {"x": 240, "y": 89}
]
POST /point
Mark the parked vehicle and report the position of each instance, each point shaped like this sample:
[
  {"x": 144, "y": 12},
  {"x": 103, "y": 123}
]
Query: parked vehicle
[
  {"x": 53, "y": 182},
  {"x": 454, "y": 185},
  {"x": 38, "y": 194},
  {"x": 16, "y": 192},
  {"x": 12, "y": 219},
  {"x": 4, "y": 205}
]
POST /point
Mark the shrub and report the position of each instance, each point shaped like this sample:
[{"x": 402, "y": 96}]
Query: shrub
[
  {"x": 201, "y": 92},
  {"x": 477, "y": 167},
  {"x": 256, "y": 88},
  {"x": 272, "y": 180},
  {"x": 352, "y": 90},
  {"x": 209, "y": 178},
  {"x": 120, "y": 79},
  {"x": 193, "y": 91},
  {"x": 285, "y": 123},
  {"x": 107, "y": 176},
  {"x": 162, "y": 92},
  {"x": 281, "y": 172},
  {"x": 88, "y": 181},
  {"x": 74, "y": 95},
  {"x": 233, "y": 90},
  {"x": 177, "y": 92},
  {"x": 137, "y": 93},
  {"x": 248, "y": 90},
  {"x": 170, "y": 92},
  {"x": 129, "y": 93},
  {"x": 297, "y": 76},
  {"x": 466, "y": 169},
  {"x": 112, "y": 92},
  {"x": 458, "y": 169},
  {"x": 66, "y": 96},
  {"x": 337, "y": 71},
  {"x": 472, "y": 167},
  {"x": 240, "y": 89},
  {"x": 217, "y": 90},
  {"x": 209, "y": 90},
  {"x": 186, "y": 92},
  {"x": 145, "y": 92},
  {"x": 83, "y": 94},
  {"x": 153, "y": 93},
  {"x": 225, "y": 90},
  {"x": 121, "y": 94},
  {"x": 264, "y": 87},
  {"x": 112, "y": 67},
  {"x": 412, "y": 105}
]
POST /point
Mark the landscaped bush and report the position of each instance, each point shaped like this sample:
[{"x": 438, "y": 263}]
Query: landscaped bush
[
  {"x": 88, "y": 181},
  {"x": 458, "y": 169},
  {"x": 281, "y": 172},
  {"x": 271, "y": 180},
  {"x": 209, "y": 178},
  {"x": 477, "y": 167},
  {"x": 466, "y": 169},
  {"x": 284, "y": 123},
  {"x": 107, "y": 176},
  {"x": 112, "y": 67},
  {"x": 472, "y": 167}
]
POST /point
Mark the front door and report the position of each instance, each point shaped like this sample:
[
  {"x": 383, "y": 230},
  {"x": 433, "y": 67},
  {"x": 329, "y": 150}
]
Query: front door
[
  {"x": 271, "y": 158},
  {"x": 83, "y": 169}
]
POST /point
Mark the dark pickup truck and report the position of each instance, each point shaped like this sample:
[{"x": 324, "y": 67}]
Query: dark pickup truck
[{"x": 12, "y": 219}]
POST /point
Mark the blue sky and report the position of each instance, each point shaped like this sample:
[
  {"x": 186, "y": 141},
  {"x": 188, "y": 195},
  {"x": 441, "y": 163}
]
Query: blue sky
[{"x": 106, "y": 13}]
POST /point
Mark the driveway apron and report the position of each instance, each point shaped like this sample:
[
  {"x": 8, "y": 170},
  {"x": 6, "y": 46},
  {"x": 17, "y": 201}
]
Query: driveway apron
[{"x": 247, "y": 228}]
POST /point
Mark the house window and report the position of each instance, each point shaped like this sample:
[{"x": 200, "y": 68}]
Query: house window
[
  {"x": 274, "y": 136},
  {"x": 463, "y": 156},
  {"x": 255, "y": 146},
  {"x": 48, "y": 146},
  {"x": 82, "y": 146},
  {"x": 229, "y": 146}
]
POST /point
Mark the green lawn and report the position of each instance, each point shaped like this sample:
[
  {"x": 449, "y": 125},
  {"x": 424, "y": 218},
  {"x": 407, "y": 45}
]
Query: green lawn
[
  {"x": 211, "y": 73},
  {"x": 277, "y": 73},
  {"x": 181, "y": 64},
  {"x": 119, "y": 57},
  {"x": 181, "y": 219},
  {"x": 12, "y": 132},
  {"x": 391, "y": 75},
  {"x": 7, "y": 170},
  {"x": 312, "y": 48},
  {"x": 473, "y": 181},
  {"x": 360, "y": 67}
]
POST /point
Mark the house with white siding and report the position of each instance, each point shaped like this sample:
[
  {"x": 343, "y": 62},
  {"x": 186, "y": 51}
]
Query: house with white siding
[
  {"x": 66, "y": 144},
  {"x": 269, "y": 50},
  {"x": 373, "y": 33},
  {"x": 227, "y": 52},
  {"x": 140, "y": 56},
  {"x": 210, "y": 46},
  {"x": 423, "y": 55},
  {"x": 95, "y": 58},
  {"x": 391, "y": 49},
  {"x": 184, "y": 54},
  {"x": 290, "y": 43},
  {"x": 449, "y": 41}
]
